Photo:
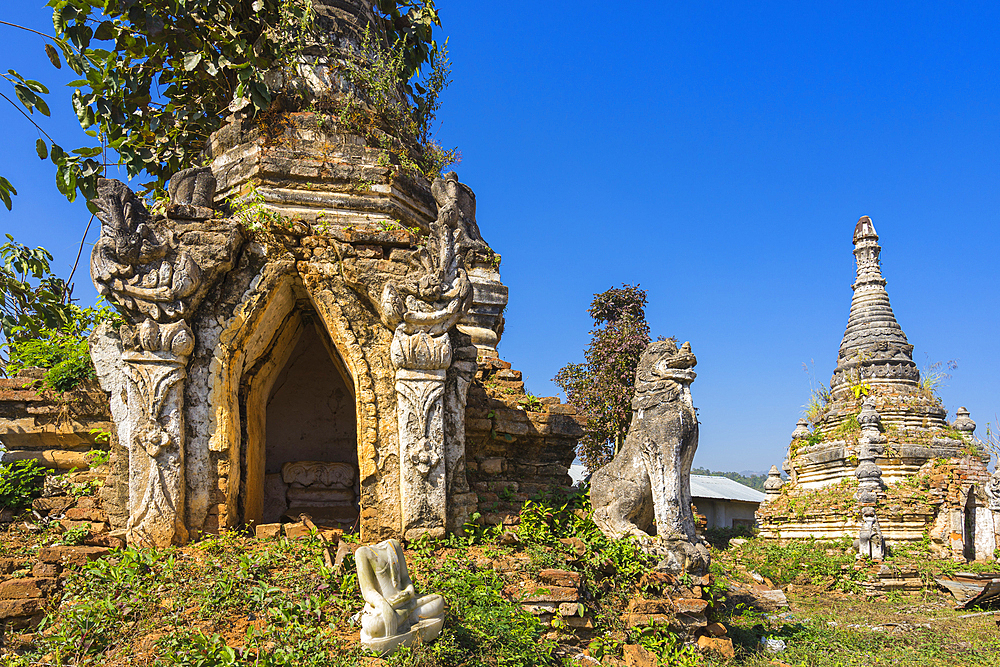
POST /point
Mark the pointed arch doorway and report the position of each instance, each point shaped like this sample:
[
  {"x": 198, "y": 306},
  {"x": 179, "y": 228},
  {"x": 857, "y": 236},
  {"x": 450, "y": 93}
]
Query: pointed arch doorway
[{"x": 300, "y": 440}]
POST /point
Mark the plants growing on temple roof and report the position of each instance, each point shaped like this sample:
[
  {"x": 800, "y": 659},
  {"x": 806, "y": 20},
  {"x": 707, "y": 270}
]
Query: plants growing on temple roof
[
  {"x": 398, "y": 121},
  {"x": 155, "y": 79},
  {"x": 819, "y": 396},
  {"x": 603, "y": 386},
  {"x": 933, "y": 376}
]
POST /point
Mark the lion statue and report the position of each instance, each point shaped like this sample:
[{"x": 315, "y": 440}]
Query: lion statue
[{"x": 647, "y": 485}]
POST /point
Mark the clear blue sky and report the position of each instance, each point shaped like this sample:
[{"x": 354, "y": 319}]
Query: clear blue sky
[{"x": 717, "y": 154}]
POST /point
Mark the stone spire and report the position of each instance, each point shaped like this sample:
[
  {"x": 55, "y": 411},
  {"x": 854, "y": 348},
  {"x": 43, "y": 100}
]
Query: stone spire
[{"x": 874, "y": 349}]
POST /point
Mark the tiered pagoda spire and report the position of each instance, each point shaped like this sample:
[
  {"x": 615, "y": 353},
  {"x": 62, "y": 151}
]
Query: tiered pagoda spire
[{"x": 874, "y": 349}]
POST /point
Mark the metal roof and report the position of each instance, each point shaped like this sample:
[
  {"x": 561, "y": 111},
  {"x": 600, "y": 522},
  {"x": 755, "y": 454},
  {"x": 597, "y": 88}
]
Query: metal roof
[{"x": 705, "y": 486}]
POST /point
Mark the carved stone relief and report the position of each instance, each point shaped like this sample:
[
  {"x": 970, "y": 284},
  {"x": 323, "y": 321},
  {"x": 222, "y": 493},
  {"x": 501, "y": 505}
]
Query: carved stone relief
[
  {"x": 432, "y": 374},
  {"x": 140, "y": 266}
]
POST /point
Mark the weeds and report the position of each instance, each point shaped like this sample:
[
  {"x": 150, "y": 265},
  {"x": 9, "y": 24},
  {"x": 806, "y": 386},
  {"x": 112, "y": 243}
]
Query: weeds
[{"x": 20, "y": 483}]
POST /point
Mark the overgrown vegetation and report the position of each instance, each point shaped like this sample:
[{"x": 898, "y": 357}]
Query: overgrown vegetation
[
  {"x": 398, "y": 123},
  {"x": 20, "y": 483},
  {"x": 234, "y": 600},
  {"x": 155, "y": 79}
]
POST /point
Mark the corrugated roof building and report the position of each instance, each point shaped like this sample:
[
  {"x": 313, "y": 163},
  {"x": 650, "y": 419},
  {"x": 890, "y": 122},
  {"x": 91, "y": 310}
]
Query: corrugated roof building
[{"x": 724, "y": 502}]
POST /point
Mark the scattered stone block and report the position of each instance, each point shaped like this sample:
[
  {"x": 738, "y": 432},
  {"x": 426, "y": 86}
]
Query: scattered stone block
[
  {"x": 638, "y": 656},
  {"x": 105, "y": 540},
  {"x": 644, "y": 606},
  {"x": 15, "y": 608},
  {"x": 14, "y": 589},
  {"x": 559, "y": 577},
  {"x": 8, "y": 565},
  {"x": 65, "y": 555},
  {"x": 715, "y": 629},
  {"x": 56, "y": 504},
  {"x": 534, "y": 593},
  {"x": 576, "y": 545},
  {"x": 296, "y": 531},
  {"x": 722, "y": 647},
  {"x": 343, "y": 550},
  {"x": 267, "y": 531},
  {"x": 89, "y": 526},
  {"x": 694, "y": 605},
  {"x": 45, "y": 570},
  {"x": 570, "y": 608},
  {"x": 91, "y": 514},
  {"x": 775, "y": 596}
]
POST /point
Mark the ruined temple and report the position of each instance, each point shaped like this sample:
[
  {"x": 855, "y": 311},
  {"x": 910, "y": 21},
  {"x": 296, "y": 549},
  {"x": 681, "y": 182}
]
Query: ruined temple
[
  {"x": 310, "y": 327},
  {"x": 876, "y": 459}
]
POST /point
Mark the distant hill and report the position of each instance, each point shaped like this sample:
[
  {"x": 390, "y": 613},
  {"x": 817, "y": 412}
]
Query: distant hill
[{"x": 754, "y": 481}]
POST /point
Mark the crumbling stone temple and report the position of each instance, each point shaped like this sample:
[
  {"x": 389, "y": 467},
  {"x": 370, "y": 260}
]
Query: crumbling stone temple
[
  {"x": 311, "y": 327},
  {"x": 877, "y": 460}
]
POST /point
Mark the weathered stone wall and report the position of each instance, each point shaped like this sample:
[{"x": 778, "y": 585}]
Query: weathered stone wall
[
  {"x": 933, "y": 503},
  {"x": 515, "y": 447},
  {"x": 57, "y": 429}
]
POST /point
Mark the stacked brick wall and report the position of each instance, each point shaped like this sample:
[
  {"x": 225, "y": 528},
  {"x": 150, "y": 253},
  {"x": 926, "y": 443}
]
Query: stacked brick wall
[
  {"x": 517, "y": 446},
  {"x": 56, "y": 429}
]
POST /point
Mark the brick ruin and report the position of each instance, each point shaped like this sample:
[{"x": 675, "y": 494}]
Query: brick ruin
[
  {"x": 310, "y": 327},
  {"x": 878, "y": 461}
]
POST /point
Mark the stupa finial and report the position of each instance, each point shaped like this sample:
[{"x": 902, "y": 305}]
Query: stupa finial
[{"x": 874, "y": 349}]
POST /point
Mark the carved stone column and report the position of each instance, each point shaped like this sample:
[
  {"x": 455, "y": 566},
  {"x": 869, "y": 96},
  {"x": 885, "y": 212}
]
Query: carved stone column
[
  {"x": 139, "y": 264},
  {"x": 462, "y": 501},
  {"x": 871, "y": 445},
  {"x": 421, "y": 361},
  {"x": 992, "y": 491},
  {"x": 433, "y": 375}
]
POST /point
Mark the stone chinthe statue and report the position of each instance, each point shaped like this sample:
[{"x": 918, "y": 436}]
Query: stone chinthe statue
[
  {"x": 647, "y": 485},
  {"x": 393, "y": 615}
]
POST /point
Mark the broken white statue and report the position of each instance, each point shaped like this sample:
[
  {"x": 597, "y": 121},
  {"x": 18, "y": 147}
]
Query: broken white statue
[{"x": 393, "y": 615}]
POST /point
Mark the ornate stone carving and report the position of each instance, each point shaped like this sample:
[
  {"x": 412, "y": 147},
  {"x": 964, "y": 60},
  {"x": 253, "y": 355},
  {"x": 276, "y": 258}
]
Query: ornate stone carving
[
  {"x": 871, "y": 445},
  {"x": 964, "y": 423},
  {"x": 649, "y": 478},
  {"x": 992, "y": 490},
  {"x": 318, "y": 473},
  {"x": 773, "y": 484},
  {"x": 871, "y": 544},
  {"x": 422, "y": 311},
  {"x": 393, "y": 615},
  {"x": 330, "y": 488},
  {"x": 139, "y": 264},
  {"x": 139, "y": 269},
  {"x": 801, "y": 430}
]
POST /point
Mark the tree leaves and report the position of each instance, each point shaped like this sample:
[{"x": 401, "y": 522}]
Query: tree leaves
[
  {"x": 6, "y": 190},
  {"x": 41, "y": 148},
  {"x": 602, "y": 388},
  {"x": 53, "y": 55},
  {"x": 191, "y": 60}
]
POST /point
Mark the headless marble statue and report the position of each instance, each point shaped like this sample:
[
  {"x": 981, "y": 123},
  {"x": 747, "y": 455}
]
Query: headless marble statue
[{"x": 393, "y": 615}]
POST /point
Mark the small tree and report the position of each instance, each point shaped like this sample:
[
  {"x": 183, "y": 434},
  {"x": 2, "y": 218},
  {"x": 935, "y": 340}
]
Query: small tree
[{"x": 603, "y": 386}]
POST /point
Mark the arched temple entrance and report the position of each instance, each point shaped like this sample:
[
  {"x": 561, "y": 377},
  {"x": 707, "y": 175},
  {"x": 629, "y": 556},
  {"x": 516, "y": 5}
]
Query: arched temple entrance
[{"x": 300, "y": 448}]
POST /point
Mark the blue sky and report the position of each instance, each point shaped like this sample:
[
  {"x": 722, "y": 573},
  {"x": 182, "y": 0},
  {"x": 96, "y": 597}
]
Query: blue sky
[{"x": 719, "y": 154}]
